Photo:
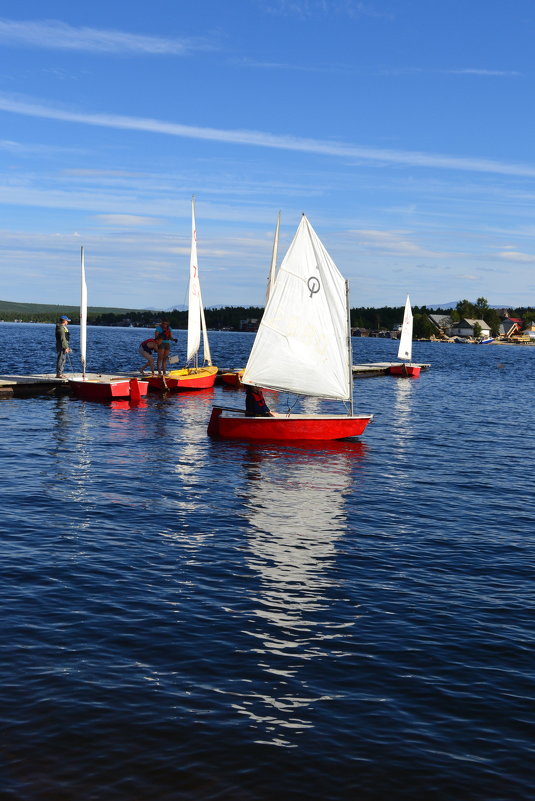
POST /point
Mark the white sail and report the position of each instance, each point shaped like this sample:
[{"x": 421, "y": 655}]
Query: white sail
[
  {"x": 303, "y": 338},
  {"x": 405, "y": 338},
  {"x": 83, "y": 312},
  {"x": 194, "y": 296},
  {"x": 273, "y": 265}
]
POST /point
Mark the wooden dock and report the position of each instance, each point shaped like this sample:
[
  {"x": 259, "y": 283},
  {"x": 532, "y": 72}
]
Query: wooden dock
[
  {"x": 20, "y": 386},
  {"x": 17, "y": 386}
]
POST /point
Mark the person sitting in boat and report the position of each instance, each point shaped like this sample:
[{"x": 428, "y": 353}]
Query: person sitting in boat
[
  {"x": 146, "y": 349},
  {"x": 255, "y": 404},
  {"x": 164, "y": 337}
]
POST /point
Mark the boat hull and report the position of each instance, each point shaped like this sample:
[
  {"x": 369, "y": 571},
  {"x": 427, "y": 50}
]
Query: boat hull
[
  {"x": 404, "y": 370},
  {"x": 184, "y": 380},
  {"x": 108, "y": 389},
  {"x": 232, "y": 379},
  {"x": 287, "y": 428}
]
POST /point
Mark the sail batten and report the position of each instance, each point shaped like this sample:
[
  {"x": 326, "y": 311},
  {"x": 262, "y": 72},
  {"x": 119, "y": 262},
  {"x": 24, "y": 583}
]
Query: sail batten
[{"x": 301, "y": 344}]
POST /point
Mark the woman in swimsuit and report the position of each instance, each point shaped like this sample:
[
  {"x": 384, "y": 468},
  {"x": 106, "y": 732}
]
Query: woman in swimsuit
[{"x": 146, "y": 349}]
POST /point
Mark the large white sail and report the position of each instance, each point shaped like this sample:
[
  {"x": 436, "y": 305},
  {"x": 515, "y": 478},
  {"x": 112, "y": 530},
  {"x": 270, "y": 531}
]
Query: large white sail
[
  {"x": 302, "y": 344},
  {"x": 83, "y": 312},
  {"x": 405, "y": 338},
  {"x": 194, "y": 295},
  {"x": 273, "y": 266}
]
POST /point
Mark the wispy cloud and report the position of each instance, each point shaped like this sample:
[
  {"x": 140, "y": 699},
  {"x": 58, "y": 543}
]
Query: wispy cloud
[
  {"x": 56, "y": 35},
  {"x": 482, "y": 72},
  {"x": 268, "y": 140},
  {"x": 29, "y": 149},
  {"x": 396, "y": 242},
  {"x": 306, "y": 9},
  {"x": 125, "y": 220},
  {"x": 516, "y": 255}
]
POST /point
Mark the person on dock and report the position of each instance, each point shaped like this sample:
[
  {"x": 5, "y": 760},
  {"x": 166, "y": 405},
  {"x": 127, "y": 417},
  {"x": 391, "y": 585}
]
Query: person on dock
[
  {"x": 146, "y": 349},
  {"x": 164, "y": 337},
  {"x": 255, "y": 404},
  {"x": 62, "y": 345}
]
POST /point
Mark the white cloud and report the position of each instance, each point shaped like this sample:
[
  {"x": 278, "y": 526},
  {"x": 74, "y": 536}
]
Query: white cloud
[
  {"x": 125, "y": 220},
  {"x": 482, "y": 72},
  {"x": 306, "y": 9},
  {"x": 56, "y": 35},
  {"x": 516, "y": 255},
  {"x": 267, "y": 140},
  {"x": 391, "y": 242}
]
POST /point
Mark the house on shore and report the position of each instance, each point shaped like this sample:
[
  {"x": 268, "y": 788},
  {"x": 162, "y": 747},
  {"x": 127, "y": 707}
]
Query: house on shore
[
  {"x": 510, "y": 326},
  {"x": 465, "y": 328},
  {"x": 442, "y": 323}
]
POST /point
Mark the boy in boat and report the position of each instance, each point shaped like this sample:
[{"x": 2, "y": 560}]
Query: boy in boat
[
  {"x": 255, "y": 404},
  {"x": 164, "y": 337},
  {"x": 62, "y": 345},
  {"x": 146, "y": 349}
]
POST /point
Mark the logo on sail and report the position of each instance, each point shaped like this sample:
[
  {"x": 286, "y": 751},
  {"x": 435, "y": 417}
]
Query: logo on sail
[{"x": 313, "y": 285}]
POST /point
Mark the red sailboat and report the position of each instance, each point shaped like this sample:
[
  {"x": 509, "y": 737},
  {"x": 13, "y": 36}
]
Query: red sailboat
[
  {"x": 99, "y": 387},
  {"x": 303, "y": 346},
  {"x": 405, "y": 369}
]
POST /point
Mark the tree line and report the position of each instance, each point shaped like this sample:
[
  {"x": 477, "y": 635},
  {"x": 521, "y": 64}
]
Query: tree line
[{"x": 231, "y": 318}]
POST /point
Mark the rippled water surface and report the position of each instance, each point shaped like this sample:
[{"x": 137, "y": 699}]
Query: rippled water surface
[{"x": 189, "y": 619}]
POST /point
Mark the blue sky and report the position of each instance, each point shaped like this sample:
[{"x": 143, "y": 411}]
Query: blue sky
[{"x": 404, "y": 130}]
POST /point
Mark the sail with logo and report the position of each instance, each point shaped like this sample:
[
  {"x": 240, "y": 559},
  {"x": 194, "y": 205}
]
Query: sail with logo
[{"x": 303, "y": 346}]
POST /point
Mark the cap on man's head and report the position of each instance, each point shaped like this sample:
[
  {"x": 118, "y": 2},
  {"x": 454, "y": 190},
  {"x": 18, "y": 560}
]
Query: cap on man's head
[{"x": 64, "y": 317}]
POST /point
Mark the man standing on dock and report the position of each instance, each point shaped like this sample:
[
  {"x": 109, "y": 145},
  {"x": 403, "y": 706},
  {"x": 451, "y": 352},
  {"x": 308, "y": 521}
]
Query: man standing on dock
[{"x": 62, "y": 345}]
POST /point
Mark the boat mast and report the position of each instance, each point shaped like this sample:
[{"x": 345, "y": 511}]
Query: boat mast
[
  {"x": 83, "y": 312},
  {"x": 349, "y": 350}
]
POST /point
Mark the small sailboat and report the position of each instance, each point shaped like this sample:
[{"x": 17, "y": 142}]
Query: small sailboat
[
  {"x": 234, "y": 378},
  {"x": 405, "y": 369},
  {"x": 193, "y": 377},
  {"x": 303, "y": 346},
  {"x": 100, "y": 387}
]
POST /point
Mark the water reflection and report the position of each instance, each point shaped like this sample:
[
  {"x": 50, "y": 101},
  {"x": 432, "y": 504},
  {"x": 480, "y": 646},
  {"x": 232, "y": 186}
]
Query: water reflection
[{"x": 295, "y": 507}]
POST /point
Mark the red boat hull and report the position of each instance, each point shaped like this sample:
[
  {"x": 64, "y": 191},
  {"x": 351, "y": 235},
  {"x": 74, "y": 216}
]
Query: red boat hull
[
  {"x": 294, "y": 427},
  {"x": 232, "y": 379},
  {"x": 404, "y": 370},
  {"x": 108, "y": 389},
  {"x": 184, "y": 380}
]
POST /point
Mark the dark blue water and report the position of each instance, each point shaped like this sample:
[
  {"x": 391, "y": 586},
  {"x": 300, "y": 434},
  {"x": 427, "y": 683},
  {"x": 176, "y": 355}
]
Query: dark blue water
[{"x": 189, "y": 619}]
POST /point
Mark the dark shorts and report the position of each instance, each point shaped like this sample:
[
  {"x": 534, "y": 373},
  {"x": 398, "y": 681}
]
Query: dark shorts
[{"x": 164, "y": 346}]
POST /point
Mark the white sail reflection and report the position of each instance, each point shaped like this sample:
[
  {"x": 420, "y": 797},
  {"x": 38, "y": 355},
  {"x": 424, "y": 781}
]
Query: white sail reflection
[
  {"x": 399, "y": 468},
  {"x": 295, "y": 505}
]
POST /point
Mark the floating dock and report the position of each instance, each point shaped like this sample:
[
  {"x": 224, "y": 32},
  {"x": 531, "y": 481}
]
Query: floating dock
[
  {"x": 20, "y": 386},
  {"x": 379, "y": 368}
]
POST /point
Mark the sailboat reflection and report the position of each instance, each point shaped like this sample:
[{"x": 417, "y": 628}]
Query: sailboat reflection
[{"x": 296, "y": 507}]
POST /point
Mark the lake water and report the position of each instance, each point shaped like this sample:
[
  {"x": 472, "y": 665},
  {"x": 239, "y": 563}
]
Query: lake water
[{"x": 191, "y": 619}]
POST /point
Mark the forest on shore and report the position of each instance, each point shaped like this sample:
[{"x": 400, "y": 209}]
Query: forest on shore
[{"x": 246, "y": 318}]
